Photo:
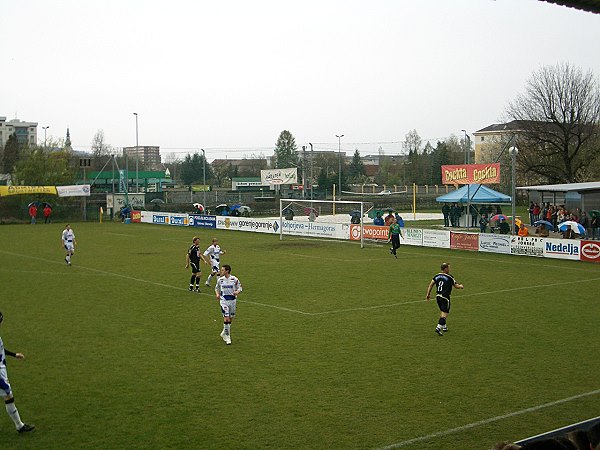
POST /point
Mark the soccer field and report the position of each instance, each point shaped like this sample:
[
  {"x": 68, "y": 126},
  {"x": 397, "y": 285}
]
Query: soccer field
[{"x": 333, "y": 345}]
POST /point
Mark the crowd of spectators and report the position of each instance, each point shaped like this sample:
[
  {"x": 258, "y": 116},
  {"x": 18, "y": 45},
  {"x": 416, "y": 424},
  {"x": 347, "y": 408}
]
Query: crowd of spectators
[
  {"x": 579, "y": 439},
  {"x": 553, "y": 214}
]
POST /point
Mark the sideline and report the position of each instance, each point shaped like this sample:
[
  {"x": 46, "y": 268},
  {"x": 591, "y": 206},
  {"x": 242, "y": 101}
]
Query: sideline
[{"x": 487, "y": 421}]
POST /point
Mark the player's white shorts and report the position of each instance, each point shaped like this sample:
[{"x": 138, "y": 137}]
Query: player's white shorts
[
  {"x": 5, "y": 389},
  {"x": 228, "y": 308},
  {"x": 69, "y": 247},
  {"x": 214, "y": 264}
]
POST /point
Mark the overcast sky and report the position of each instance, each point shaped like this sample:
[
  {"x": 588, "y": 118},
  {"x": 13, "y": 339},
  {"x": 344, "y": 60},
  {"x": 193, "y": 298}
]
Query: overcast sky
[{"x": 228, "y": 76}]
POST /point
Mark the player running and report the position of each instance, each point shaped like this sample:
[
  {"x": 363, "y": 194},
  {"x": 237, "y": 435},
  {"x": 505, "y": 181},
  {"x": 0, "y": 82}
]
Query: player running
[
  {"x": 226, "y": 290},
  {"x": 212, "y": 257},
  {"x": 68, "y": 242},
  {"x": 6, "y": 391},
  {"x": 444, "y": 283}
]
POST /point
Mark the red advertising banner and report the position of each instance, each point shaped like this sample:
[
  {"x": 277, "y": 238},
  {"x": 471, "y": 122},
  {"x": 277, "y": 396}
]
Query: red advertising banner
[
  {"x": 136, "y": 216},
  {"x": 590, "y": 251},
  {"x": 471, "y": 173},
  {"x": 371, "y": 232},
  {"x": 464, "y": 241}
]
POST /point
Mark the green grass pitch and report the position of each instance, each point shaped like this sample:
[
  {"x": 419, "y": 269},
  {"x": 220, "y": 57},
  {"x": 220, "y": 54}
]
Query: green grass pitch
[{"x": 333, "y": 346}]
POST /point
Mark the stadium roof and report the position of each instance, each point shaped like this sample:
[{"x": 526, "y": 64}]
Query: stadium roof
[
  {"x": 568, "y": 187},
  {"x": 584, "y": 5}
]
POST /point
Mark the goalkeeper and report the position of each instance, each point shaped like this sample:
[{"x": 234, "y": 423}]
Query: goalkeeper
[{"x": 395, "y": 233}]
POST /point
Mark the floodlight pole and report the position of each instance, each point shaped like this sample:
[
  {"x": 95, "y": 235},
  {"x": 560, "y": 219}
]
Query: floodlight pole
[
  {"x": 311, "y": 170},
  {"x": 137, "y": 154},
  {"x": 339, "y": 196},
  {"x": 514, "y": 151},
  {"x": 204, "y": 177}
]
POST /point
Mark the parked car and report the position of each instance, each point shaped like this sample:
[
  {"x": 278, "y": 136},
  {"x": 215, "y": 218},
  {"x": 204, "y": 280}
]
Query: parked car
[{"x": 233, "y": 210}]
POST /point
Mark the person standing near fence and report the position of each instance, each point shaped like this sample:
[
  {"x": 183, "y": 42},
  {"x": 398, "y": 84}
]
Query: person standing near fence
[
  {"x": 68, "y": 243},
  {"x": 395, "y": 233},
  {"x": 444, "y": 282},
  {"x": 6, "y": 390}
]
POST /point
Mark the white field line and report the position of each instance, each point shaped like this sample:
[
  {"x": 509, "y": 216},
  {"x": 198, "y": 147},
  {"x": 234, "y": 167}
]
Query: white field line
[
  {"x": 297, "y": 311},
  {"x": 487, "y": 421}
]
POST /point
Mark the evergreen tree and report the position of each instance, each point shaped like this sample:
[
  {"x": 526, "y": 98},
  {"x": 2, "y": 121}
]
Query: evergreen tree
[
  {"x": 11, "y": 154},
  {"x": 356, "y": 169},
  {"x": 285, "y": 151}
]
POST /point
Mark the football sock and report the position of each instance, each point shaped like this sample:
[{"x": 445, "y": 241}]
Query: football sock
[
  {"x": 442, "y": 321},
  {"x": 68, "y": 258},
  {"x": 192, "y": 281},
  {"x": 197, "y": 281},
  {"x": 226, "y": 328},
  {"x": 11, "y": 409},
  {"x": 209, "y": 278}
]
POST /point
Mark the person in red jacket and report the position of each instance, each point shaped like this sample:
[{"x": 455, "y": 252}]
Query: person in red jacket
[
  {"x": 47, "y": 212},
  {"x": 33, "y": 213}
]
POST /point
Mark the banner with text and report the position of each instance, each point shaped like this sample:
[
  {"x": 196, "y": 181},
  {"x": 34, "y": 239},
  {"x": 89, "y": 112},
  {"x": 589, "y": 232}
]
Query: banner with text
[
  {"x": 464, "y": 241},
  {"x": 75, "y": 190},
  {"x": 590, "y": 251},
  {"x": 471, "y": 173},
  {"x": 279, "y": 176},
  {"x": 16, "y": 190},
  {"x": 494, "y": 243},
  {"x": 436, "y": 238}
]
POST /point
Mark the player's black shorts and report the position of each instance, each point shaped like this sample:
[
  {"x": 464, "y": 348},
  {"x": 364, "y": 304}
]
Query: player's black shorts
[
  {"x": 195, "y": 266},
  {"x": 443, "y": 303}
]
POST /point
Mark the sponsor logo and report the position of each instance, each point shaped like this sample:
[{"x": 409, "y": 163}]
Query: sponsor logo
[
  {"x": 178, "y": 220},
  {"x": 227, "y": 222},
  {"x": 565, "y": 249},
  {"x": 591, "y": 250},
  {"x": 275, "y": 226},
  {"x": 160, "y": 219}
]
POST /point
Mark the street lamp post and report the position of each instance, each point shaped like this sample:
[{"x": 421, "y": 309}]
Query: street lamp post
[
  {"x": 467, "y": 147},
  {"x": 513, "y": 151},
  {"x": 45, "y": 128},
  {"x": 340, "y": 165},
  {"x": 137, "y": 154},
  {"x": 311, "y": 171},
  {"x": 204, "y": 177}
]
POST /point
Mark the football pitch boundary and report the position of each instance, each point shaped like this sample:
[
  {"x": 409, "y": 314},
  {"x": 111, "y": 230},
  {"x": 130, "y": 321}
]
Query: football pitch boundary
[
  {"x": 282, "y": 308},
  {"x": 487, "y": 421}
]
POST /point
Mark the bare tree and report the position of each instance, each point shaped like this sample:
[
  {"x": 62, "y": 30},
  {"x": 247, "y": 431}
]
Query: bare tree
[
  {"x": 558, "y": 118},
  {"x": 100, "y": 149}
]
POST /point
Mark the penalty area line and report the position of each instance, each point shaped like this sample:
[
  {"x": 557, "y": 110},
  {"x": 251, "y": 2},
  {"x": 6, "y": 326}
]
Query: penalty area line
[{"x": 479, "y": 423}]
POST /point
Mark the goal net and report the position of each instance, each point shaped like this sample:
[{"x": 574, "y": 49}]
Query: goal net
[{"x": 299, "y": 217}]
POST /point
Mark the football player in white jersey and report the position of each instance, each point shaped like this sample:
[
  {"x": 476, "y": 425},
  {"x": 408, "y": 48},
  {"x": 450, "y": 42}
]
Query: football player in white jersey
[
  {"x": 212, "y": 257},
  {"x": 68, "y": 243},
  {"x": 227, "y": 289},
  {"x": 6, "y": 391}
]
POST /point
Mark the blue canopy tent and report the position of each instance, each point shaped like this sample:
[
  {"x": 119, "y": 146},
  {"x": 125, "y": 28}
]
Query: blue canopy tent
[{"x": 474, "y": 194}]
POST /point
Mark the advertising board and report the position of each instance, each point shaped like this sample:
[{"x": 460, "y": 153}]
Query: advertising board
[
  {"x": 464, "y": 241},
  {"x": 494, "y": 243},
  {"x": 436, "y": 238},
  {"x": 413, "y": 236},
  {"x": 370, "y": 232},
  {"x": 590, "y": 251},
  {"x": 527, "y": 246},
  {"x": 562, "y": 248},
  {"x": 324, "y": 230},
  {"x": 202, "y": 221}
]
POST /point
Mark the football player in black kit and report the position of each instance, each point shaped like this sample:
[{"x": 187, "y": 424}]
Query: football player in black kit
[
  {"x": 444, "y": 283},
  {"x": 192, "y": 258}
]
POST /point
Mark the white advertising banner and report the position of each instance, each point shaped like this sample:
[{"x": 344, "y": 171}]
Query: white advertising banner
[
  {"x": 314, "y": 229},
  {"x": 527, "y": 246},
  {"x": 116, "y": 201},
  {"x": 412, "y": 236},
  {"x": 436, "y": 238},
  {"x": 247, "y": 224},
  {"x": 159, "y": 218},
  {"x": 76, "y": 190},
  {"x": 562, "y": 248},
  {"x": 494, "y": 243},
  {"x": 279, "y": 176}
]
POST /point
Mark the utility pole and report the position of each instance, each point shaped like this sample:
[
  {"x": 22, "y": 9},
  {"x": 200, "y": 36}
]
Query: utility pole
[{"x": 340, "y": 165}]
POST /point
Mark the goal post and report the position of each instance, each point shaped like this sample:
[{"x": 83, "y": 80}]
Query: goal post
[{"x": 313, "y": 213}]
